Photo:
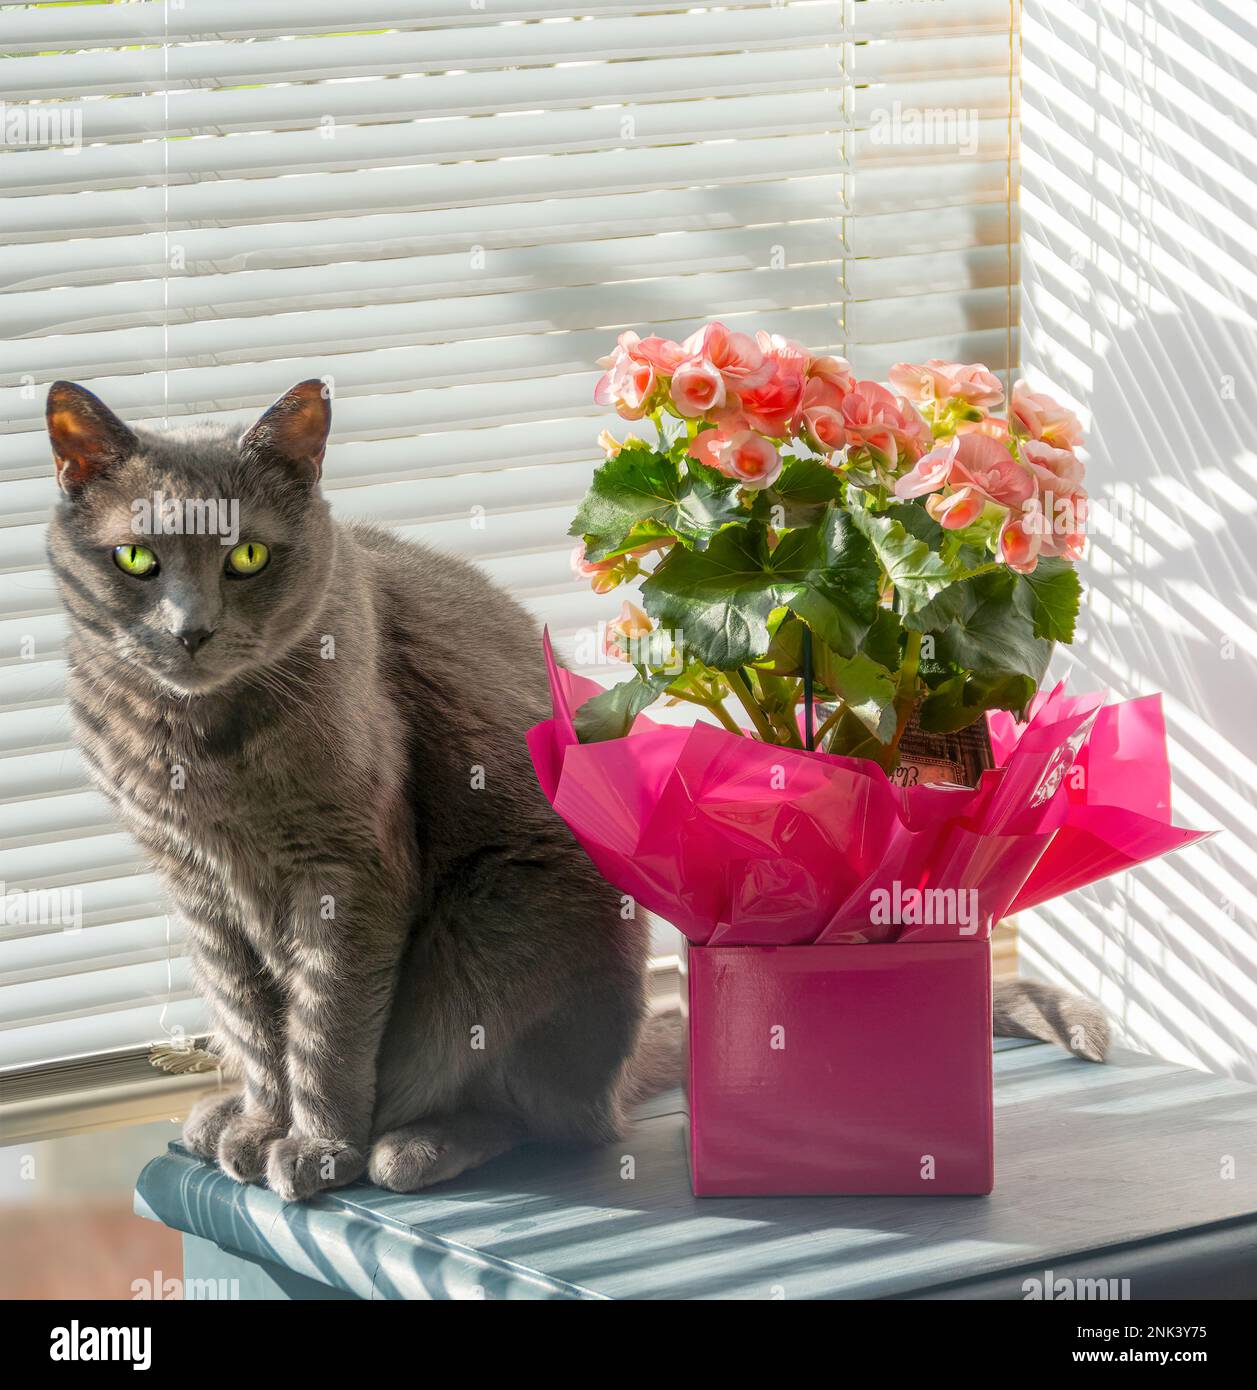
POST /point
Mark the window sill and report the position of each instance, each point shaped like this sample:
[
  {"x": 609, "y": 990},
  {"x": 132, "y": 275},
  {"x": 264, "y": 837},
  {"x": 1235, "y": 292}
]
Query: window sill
[{"x": 93, "y": 1093}]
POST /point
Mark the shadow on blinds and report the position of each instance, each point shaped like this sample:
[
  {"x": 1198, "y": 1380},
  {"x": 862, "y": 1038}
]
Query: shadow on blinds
[{"x": 1140, "y": 303}]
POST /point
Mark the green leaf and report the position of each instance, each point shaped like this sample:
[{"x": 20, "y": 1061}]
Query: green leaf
[
  {"x": 784, "y": 656},
  {"x": 942, "y": 610},
  {"x": 799, "y": 497},
  {"x": 611, "y": 714},
  {"x": 852, "y": 738},
  {"x": 882, "y": 642},
  {"x": 992, "y": 635},
  {"x": 641, "y": 495},
  {"x": 719, "y": 598},
  {"x": 961, "y": 700},
  {"x": 839, "y": 598},
  {"x": 916, "y": 571},
  {"x": 914, "y": 519},
  {"x": 722, "y": 598},
  {"x": 865, "y": 686},
  {"x": 709, "y": 502},
  {"x": 1055, "y": 593},
  {"x": 777, "y": 694}
]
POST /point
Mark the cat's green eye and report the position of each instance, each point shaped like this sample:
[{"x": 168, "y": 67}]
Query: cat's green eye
[
  {"x": 136, "y": 560},
  {"x": 247, "y": 559}
]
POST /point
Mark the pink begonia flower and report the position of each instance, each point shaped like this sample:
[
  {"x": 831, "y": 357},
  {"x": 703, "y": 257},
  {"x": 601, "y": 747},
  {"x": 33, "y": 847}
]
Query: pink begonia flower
[
  {"x": 1059, "y": 468},
  {"x": 598, "y": 572},
  {"x": 750, "y": 458},
  {"x": 1061, "y": 501},
  {"x": 1061, "y": 519},
  {"x": 1019, "y": 543},
  {"x": 706, "y": 443},
  {"x": 993, "y": 426},
  {"x": 697, "y": 388},
  {"x": 736, "y": 356},
  {"x": 930, "y": 472},
  {"x": 1041, "y": 417},
  {"x": 937, "y": 380},
  {"x": 628, "y": 381},
  {"x": 772, "y": 406},
  {"x": 835, "y": 371},
  {"x": 888, "y": 425},
  {"x": 608, "y": 574},
  {"x": 821, "y": 409},
  {"x": 738, "y": 452},
  {"x": 985, "y": 464},
  {"x": 631, "y": 625},
  {"x": 958, "y": 509},
  {"x": 663, "y": 354}
]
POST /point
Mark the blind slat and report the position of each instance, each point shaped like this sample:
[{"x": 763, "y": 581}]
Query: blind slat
[
  {"x": 94, "y": 1033},
  {"x": 532, "y": 376},
  {"x": 50, "y": 954},
  {"x": 415, "y": 278},
  {"x": 461, "y": 49},
  {"x": 79, "y": 994},
  {"x": 425, "y": 187},
  {"x": 460, "y": 325},
  {"x": 223, "y": 109},
  {"x": 361, "y": 284},
  {"x": 445, "y": 143},
  {"x": 437, "y": 232},
  {"x": 42, "y": 28}
]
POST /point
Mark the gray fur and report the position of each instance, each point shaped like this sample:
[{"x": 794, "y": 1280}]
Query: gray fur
[
  {"x": 1032, "y": 1009},
  {"x": 351, "y": 780},
  {"x": 362, "y": 914}
]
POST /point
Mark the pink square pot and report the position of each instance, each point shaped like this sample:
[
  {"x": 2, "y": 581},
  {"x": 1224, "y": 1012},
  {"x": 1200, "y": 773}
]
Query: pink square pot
[{"x": 839, "y": 1069}]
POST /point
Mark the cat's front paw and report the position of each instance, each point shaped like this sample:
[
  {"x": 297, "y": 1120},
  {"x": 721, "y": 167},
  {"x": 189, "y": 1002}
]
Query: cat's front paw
[
  {"x": 244, "y": 1144},
  {"x": 297, "y": 1167},
  {"x": 208, "y": 1118}
]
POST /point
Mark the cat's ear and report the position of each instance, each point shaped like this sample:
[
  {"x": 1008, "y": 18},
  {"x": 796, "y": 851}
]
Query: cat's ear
[
  {"x": 87, "y": 437},
  {"x": 293, "y": 432}
]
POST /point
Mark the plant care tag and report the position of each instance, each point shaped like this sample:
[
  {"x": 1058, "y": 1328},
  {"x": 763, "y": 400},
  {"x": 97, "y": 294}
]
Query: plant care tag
[{"x": 958, "y": 759}]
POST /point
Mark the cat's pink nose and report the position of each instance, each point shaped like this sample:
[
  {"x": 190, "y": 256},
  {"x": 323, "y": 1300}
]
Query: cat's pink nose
[{"x": 194, "y": 638}]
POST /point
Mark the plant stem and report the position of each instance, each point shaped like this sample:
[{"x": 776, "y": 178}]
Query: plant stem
[
  {"x": 829, "y": 724},
  {"x": 778, "y": 707},
  {"x": 716, "y": 707},
  {"x": 730, "y": 723},
  {"x": 741, "y": 688},
  {"x": 787, "y": 728}
]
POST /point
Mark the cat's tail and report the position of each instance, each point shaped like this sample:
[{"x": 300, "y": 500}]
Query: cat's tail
[
  {"x": 1031, "y": 1009},
  {"x": 1021, "y": 1009},
  {"x": 658, "y": 1059}
]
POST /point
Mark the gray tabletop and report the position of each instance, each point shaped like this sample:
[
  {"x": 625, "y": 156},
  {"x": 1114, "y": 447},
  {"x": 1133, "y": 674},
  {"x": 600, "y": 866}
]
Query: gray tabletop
[{"x": 1136, "y": 1170}]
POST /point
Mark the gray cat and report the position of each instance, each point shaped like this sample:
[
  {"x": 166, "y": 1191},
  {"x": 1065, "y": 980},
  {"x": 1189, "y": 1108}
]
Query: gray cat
[{"x": 316, "y": 732}]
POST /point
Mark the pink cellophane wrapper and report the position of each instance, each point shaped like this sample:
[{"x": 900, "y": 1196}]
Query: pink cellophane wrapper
[{"x": 737, "y": 842}]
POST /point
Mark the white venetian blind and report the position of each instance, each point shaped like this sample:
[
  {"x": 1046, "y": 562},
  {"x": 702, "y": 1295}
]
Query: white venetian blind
[{"x": 448, "y": 212}]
